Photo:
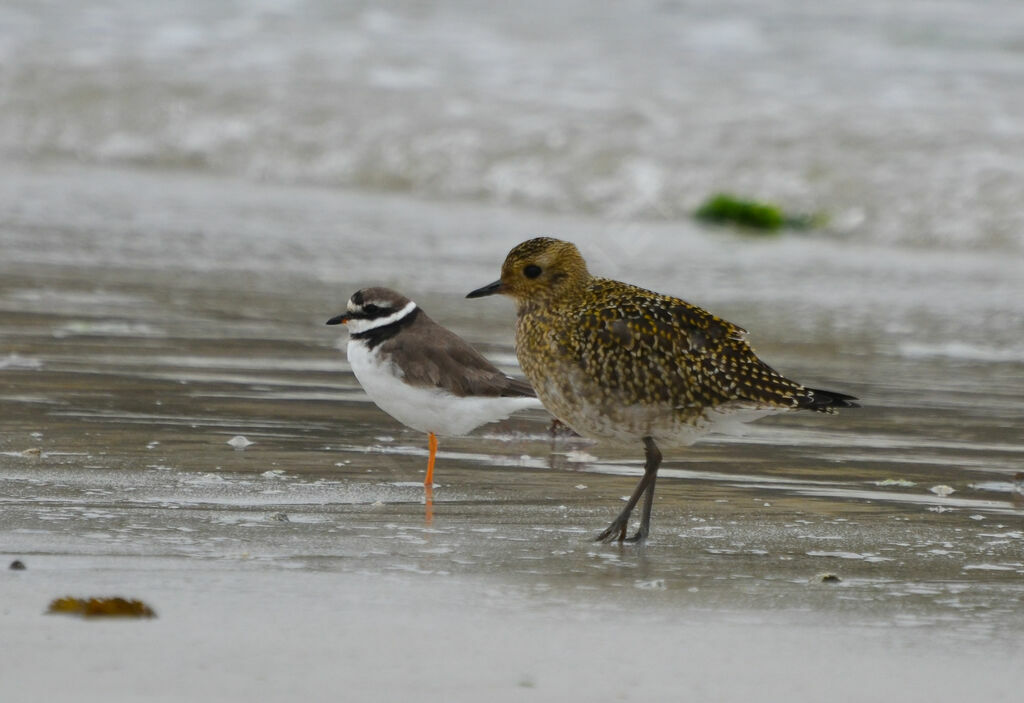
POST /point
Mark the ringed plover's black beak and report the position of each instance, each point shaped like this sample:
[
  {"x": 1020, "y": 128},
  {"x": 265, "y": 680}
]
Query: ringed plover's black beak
[{"x": 339, "y": 319}]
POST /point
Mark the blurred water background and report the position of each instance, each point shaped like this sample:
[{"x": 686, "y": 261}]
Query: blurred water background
[{"x": 903, "y": 120}]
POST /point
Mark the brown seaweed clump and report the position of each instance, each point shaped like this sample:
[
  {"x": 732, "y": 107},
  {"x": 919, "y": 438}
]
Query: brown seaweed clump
[
  {"x": 101, "y": 607},
  {"x": 826, "y": 577}
]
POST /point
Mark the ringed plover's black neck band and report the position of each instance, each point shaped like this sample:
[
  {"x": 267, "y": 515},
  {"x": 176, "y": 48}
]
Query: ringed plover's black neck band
[{"x": 378, "y": 335}]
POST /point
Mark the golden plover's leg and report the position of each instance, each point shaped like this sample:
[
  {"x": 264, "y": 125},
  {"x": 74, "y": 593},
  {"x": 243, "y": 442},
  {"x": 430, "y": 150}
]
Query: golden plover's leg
[
  {"x": 616, "y": 531},
  {"x": 560, "y": 429},
  {"x": 653, "y": 455}
]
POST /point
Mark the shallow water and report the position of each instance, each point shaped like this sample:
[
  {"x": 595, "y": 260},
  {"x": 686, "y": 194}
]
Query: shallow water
[
  {"x": 126, "y": 371},
  {"x": 188, "y": 196}
]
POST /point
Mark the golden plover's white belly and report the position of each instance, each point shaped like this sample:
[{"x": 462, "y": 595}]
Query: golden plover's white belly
[
  {"x": 422, "y": 408},
  {"x": 603, "y": 417}
]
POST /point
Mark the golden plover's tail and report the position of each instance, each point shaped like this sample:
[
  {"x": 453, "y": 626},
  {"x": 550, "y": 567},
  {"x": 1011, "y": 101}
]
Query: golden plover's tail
[{"x": 826, "y": 401}]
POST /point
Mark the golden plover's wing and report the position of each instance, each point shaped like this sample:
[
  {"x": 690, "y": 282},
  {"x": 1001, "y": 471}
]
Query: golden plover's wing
[
  {"x": 721, "y": 349},
  {"x": 660, "y": 349}
]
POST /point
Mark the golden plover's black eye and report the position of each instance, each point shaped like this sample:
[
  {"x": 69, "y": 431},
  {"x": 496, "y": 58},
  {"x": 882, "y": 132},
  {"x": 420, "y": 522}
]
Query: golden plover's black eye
[{"x": 531, "y": 271}]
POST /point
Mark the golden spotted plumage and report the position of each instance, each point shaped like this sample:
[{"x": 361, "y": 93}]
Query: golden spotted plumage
[
  {"x": 615, "y": 361},
  {"x": 651, "y": 363}
]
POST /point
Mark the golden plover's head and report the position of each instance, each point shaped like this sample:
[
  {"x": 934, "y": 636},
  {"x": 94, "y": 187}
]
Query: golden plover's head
[{"x": 539, "y": 270}]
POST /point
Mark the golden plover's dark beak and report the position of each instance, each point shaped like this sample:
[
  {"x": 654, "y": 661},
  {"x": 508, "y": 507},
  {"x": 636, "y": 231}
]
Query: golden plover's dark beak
[
  {"x": 489, "y": 289},
  {"x": 338, "y": 319}
]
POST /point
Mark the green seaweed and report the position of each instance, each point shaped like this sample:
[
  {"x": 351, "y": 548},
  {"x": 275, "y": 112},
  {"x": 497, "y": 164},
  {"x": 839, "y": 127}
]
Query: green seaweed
[{"x": 726, "y": 209}]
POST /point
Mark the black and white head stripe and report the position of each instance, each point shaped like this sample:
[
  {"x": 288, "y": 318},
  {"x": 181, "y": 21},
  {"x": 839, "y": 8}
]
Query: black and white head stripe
[
  {"x": 374, "y": 315},
  {"x": 376, "y": 312}
]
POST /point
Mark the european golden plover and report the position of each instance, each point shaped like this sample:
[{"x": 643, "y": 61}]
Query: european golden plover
[
  {"x": 422, "y": 374},
  {"x": 614, "y": 361}
]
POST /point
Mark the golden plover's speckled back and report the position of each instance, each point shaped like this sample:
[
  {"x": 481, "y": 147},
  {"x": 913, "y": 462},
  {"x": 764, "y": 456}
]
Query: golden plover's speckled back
[{"x": 614, "y": 361}]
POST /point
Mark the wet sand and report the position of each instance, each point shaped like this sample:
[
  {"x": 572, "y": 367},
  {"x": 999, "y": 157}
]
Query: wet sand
[{"x": 138, "y": 337}]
